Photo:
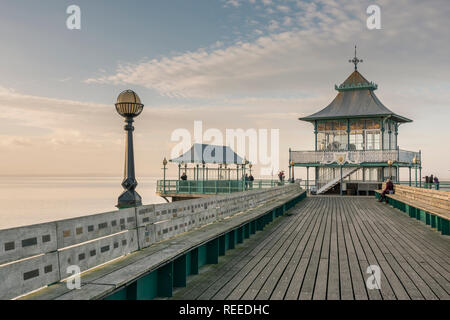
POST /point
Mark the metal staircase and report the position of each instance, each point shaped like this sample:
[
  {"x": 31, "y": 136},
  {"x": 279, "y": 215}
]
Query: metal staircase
[{"x": 330, "y": 184}]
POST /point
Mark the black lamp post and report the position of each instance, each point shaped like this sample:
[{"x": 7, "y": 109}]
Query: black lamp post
[{"x": 129, "y": 106}]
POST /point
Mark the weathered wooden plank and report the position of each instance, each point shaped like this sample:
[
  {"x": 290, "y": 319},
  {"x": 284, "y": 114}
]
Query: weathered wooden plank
[
  {"x": 420, "y": 235},
  {"x": 227, "y": 288},
  {"x": 286, "y": 257},
  {"x": 288, "y": 275},
  {"x": 207, "y": 287},
  {"x": 375, "y": 255},
  {"x": 358, "y": 281},
  {"x": 259, "y": 274},
  {"x": 345, "y": 280},
  {"x": 364, "y": 251},
  {"x": 89, "y": 292},
  {"x": 333, "y": 268},
  {"x": 397, "y": 263},
  {"x": 307, "y": 290},
  {"x": 419, "y": 269},
  {"x": 427, "y": 244},
  {"x": 320, "y": 289},
  {"x": 293, "y": 291}
]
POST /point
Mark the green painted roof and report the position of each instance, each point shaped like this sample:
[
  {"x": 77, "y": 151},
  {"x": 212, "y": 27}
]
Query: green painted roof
[{"x": 356, "y": 99}]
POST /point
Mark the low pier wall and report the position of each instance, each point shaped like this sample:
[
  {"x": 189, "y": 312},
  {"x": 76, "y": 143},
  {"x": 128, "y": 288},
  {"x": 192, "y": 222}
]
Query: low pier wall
[{"x": 32, "y": 257}]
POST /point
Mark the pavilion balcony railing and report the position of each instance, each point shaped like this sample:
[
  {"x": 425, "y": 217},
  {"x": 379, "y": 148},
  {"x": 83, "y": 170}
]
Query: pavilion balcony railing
[
  {"x": 355, "y": 157},
  {"x": 212, "y": 186}
]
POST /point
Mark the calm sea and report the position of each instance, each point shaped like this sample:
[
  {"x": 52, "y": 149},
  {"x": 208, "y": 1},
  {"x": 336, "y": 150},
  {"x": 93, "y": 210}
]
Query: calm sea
[{"x": 30, "y": 200}]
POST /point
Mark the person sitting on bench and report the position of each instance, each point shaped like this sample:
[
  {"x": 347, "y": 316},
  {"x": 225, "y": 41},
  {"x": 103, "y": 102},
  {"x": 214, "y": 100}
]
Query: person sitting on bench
[{"x": 389, "y": 189}]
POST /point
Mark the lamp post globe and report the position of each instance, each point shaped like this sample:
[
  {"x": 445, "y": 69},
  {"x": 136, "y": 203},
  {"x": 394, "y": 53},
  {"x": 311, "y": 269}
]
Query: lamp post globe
[
  {"x": 129, "y": 106},
  {"x": 390, "y": 163}
]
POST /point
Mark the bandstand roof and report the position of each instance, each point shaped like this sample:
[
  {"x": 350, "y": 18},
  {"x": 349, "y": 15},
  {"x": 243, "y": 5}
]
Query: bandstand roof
[
  {"x": 356, "y": 99},
  {"x": 209, "y": 154}
]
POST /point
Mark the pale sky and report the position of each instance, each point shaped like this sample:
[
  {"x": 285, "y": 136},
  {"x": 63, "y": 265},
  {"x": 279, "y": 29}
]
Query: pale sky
[{"x": 230, "y": 63}]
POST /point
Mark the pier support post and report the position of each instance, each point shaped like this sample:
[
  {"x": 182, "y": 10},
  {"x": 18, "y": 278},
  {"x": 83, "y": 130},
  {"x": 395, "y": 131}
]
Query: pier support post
[
  {"x": 165, "y": 280},
  {"x": 259, "y": 224},
  {"x": 222, "y": 240},
  {"x": 247, "y": 231},
  {"x": 143, "y": 288},
  {"x": 212, "y": 251},
  {"x": 439, "y": 224},
  {"x": 232, "y": 239},
  {"x": 194, "y": 261},
  {"x": 180, "y": 271},
  {"x": 445, "y": 227},
  {"x": 253, "y": 227},
  {"x": 240, "y": 234},
  {"x": 433, "y": 221}
]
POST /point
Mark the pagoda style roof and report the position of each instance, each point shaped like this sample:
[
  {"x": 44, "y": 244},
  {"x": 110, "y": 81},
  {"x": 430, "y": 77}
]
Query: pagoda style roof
[
  {"x": 208, "y": 153},
  {"x": 355, "y": 99}
]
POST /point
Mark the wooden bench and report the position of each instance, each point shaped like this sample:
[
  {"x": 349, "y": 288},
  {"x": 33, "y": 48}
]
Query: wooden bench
[{"x": 430, "y": 206}]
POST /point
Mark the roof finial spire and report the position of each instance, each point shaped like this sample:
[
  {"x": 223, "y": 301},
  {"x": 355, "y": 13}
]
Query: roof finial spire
[{"x": 355, "y": 60}]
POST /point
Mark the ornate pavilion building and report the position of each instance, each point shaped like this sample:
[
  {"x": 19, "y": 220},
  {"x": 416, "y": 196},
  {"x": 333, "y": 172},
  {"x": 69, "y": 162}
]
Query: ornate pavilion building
[{"x": 356, "y": 146}]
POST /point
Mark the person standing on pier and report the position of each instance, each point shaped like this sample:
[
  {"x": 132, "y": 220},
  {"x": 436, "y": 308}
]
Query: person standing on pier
[
  {"x": 251, "y": 179},
  {"x": 431, "y": 181},
  {"x": 436, "y": 182},
  {"x": 184, "y": 176},
  {"x": 246, "y": 179}
]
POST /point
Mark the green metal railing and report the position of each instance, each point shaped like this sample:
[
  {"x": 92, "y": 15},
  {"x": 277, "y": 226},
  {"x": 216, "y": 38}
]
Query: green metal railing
[
  {"x": 212, "y": 186},
  {"x": 443, "y": 185}
]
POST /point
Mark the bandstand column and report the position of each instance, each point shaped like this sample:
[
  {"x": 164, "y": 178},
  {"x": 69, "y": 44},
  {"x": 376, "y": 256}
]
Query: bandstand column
[
  {"x": 410, "y": 176},
  {"x": 307, "y": 178},
  {"x": 348, "y": 134},
  {"x": 420, "y": 168},
  {"x": 420, "y": 176},
  {"x": 415, "y": 174},
  {"x": 315, "y": 139}
]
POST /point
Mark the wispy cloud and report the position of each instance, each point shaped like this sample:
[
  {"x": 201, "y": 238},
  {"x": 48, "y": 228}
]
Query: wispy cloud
[{"x": 277, "y": 61}]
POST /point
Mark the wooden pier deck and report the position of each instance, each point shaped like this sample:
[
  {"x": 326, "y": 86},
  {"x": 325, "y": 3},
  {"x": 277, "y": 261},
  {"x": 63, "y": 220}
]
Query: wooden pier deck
[{"x": 322, "y": 251}]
